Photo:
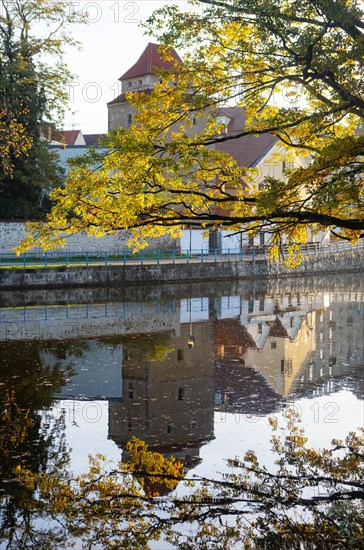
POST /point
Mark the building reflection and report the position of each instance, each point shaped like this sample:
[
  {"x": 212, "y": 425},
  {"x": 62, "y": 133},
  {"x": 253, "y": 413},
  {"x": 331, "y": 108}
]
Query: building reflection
[
  {"x": 339, "y": 357},
  {"x": 168, "y": 398},
  {"x": 301, "y": 343},
  {"x": 239, "y": 389}
]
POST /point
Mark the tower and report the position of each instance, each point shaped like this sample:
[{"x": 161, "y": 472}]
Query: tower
[{"x": 140, "y": 77}]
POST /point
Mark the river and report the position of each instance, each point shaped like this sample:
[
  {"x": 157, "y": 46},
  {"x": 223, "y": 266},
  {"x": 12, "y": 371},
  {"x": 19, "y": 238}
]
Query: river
[{"x": 194, "y": 370}]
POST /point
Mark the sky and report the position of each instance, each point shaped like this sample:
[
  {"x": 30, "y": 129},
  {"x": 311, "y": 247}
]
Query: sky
[{"x": 111, "y": 42}]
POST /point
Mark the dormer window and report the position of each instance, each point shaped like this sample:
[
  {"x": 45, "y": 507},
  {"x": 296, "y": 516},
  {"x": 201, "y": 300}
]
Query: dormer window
[
  {"x": 224, "y": 120},
  {"x": 194, "y": 121}
]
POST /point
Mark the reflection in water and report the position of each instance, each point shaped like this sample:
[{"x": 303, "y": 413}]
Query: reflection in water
[
  {"x": 165, "y": 365},
  {"x": 30, "y": 437},
  {"x": 168, "y": 401}
]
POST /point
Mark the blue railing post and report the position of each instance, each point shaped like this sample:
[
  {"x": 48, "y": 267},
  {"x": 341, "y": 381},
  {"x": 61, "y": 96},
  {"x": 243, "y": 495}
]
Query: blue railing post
[
  {"x": 202, "y": 255},
  {"x": 24, "y": 260},
  {"x": 141, "y": 257},
  {"x": 86, "y": 259},
  {"x": 46, "y": 259},
  {"x": 228, "y": 255},
  {"x": 106, "y": 259},
  {"x": 158, "y": 257},
  {"x": 188, "y": 257},
  {"x": 124, "y": 257},
  {"x": 67, "y": 258},
  {"x": 174, "y": 257}
]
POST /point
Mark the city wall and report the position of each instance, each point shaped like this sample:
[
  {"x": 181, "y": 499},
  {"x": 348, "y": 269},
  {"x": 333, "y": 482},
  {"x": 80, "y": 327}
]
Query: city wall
[{"x": 12, "y": 233}]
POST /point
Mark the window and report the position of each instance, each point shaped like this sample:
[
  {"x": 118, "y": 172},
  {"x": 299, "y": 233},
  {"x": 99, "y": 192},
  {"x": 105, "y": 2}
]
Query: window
[
  {"x": 261, "y": 303},
  {"x": 260, "y": 328},
  {"x": 282, "y": 366},
  {"x": 180, "y": 355},
  {"x": 181, "y": 393},
  {"x": 262, "y": 239},
  {"x": 130, "y": 84},
  {"x": 131, "y": 391},
  {"x": 140, "y": 82},
  {"x": 287, "y": 166},
  {"x": 273, "y": 345},
  {"x": 130, "y": 119},
  {"x": 194, "y": 121}
]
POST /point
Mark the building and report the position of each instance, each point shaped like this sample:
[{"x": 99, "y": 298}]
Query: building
[
  {"x": 140, "y": 77},
  {"x": 261, "y": 152}
]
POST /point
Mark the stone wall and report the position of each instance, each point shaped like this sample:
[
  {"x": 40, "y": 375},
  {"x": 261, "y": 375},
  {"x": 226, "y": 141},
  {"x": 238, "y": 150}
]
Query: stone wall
[
  {"x": 115, "y": 275},
  {"x": 12, "y": 233},
  {"x": 328, "y": 262}
]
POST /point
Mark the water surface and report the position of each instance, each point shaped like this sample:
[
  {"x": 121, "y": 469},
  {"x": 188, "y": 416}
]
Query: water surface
[{"x": 195, "y": 371}]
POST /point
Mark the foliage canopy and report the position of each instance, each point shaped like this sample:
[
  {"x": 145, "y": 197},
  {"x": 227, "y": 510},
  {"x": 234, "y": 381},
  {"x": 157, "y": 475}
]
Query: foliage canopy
[
  {"x": 33, "y": 91},
  {"x": 295, "y": 67}
]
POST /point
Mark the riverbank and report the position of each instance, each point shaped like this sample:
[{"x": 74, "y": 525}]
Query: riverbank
[{"x": 178, "y": 272}]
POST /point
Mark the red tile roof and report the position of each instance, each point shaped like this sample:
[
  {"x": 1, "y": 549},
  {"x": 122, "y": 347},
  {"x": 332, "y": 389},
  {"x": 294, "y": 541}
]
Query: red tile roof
[
  {"x": 70, "y": 136},
  {"x": 149, "y": 60}
]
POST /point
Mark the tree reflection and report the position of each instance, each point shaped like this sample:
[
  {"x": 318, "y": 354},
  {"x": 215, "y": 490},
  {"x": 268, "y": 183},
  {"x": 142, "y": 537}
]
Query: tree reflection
[{"x": 31, "y": 437}]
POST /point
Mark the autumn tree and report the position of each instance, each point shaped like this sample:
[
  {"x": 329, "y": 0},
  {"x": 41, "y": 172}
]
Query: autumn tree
[
  {"x": 313, "y": 499},
  {"x": 33, "y": 90},
  {"x": 295, "y": 67}
]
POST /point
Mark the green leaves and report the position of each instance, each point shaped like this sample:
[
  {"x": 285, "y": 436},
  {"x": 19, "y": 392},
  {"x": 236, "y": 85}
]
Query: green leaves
[{"x": 33, "y": 92}]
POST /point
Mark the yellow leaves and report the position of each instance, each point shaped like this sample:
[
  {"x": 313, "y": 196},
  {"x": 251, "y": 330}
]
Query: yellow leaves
[
  {"x": 13, "y": 140},
  {"x": 298, "y": 439},
  {"x": 15, "y": 423},
  {"x": 273, "y": 421},
  {"x": 152, "y": 466}
]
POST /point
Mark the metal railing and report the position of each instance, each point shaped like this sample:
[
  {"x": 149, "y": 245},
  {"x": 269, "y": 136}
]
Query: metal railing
[{"x": 59, "y": 258}]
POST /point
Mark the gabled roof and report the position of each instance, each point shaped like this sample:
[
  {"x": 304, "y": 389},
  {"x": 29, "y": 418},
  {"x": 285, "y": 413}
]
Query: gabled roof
[
  {"x": 246, "y": 150},
  {"x": 278, "y": 330},
  {"x": 150, "y": 60},
  {"x": 70, "y": 136},
  {"x": 92, "y": 139}
]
